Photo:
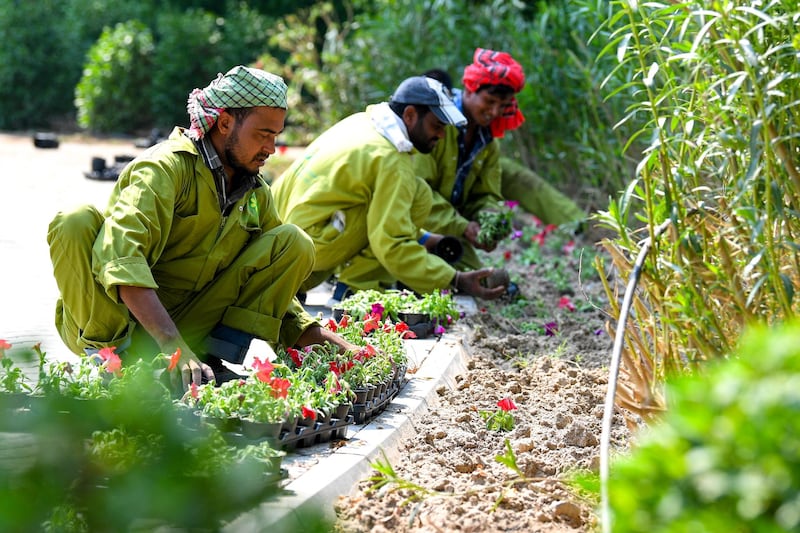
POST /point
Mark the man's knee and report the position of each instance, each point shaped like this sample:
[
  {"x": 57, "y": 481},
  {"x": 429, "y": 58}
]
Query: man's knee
[
  {"x": 78, "y": 226},
  {"x": 298, "y": 242}
]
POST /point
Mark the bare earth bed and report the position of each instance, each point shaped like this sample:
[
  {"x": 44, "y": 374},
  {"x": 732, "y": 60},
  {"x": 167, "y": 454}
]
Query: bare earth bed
[{"x": 551, "y": 360}]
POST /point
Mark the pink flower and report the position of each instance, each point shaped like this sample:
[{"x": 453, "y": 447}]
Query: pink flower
[
  {"x": 568, "y": 248},
  {"x": 439, "y": 330},
  {"x": 550, "y": 329},
  {"x": 4, "y": 345},
  {"x": 565, "y": 302},
  {"x": 193, "y": 390},
  {"x": 506, "y": 404},
  {"x": 378, "y": 309},
  {"x": 539, "y": 238},
  {"x": 511, "y": 204},
  {"x": 516, "y": 234}
]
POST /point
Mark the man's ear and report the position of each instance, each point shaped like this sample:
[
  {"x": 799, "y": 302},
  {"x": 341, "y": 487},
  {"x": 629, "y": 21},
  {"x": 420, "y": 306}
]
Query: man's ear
[
  {"x": 225, "y": 122},
  {"x": 410, "y": 116}
]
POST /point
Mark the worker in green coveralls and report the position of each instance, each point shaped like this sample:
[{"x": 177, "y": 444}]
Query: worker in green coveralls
[
  {"x": 465, "y": 169},
  {"x": 190, "y": 249},
  {"x": 355, "y": 192}
]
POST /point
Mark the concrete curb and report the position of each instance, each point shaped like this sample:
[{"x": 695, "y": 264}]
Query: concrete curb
[{"x": 315, "y": 491}]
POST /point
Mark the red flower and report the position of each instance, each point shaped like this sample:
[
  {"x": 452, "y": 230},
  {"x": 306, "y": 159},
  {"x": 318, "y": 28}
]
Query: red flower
[
  {"x": 340, "y": 368},
  {"x": 4, "y": 345},
  {"x": 539, "y": 238},
  {"x": 309, "y": 413},
  {"x": 173, "y": 359},
  {"x": 297, "y": 358},
  {"x": 193, "y": 390},
  {"x": 365, "y": 353},
  {"x": 565, "y": 302},
  {"x": 114, "y": 364},
  {"x": 344, "y": 321},
  {"x": 371, "y": 323},
  {"x": 506, "y": 404},
  {"x": 507, "y": 255},
  {"x": 107, "y": 352},
  {"x": 332, "y": 325},
  {"x": 263, "y": 369},
  {"x": 280, "y": 387}
]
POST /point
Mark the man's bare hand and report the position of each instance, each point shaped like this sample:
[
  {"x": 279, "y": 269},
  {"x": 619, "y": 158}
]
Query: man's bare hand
[{"x": 470, "y": 283}]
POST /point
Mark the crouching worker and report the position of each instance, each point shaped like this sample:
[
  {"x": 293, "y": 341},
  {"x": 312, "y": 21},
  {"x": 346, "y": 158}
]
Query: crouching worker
[
  {"x": 190, "y": 252},
  {"x": 356, "y": 193}
]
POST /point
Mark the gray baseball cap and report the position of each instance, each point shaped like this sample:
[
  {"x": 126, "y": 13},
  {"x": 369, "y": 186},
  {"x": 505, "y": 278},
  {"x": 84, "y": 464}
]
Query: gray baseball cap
[{"x": 422, "y": 90}]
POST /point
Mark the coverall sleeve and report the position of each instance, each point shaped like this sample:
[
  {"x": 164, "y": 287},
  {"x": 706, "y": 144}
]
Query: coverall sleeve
[
  {"x": 137, "y": 225},
  {"x": 393, "y": 236}
]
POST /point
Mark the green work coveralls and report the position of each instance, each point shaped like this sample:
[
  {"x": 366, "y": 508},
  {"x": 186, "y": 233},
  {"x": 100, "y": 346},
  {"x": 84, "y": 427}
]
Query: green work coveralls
[
  {"x": 491, "y": 179},
  {"x": 357, "y": 195},
  {"x": 164, "y": 229}
]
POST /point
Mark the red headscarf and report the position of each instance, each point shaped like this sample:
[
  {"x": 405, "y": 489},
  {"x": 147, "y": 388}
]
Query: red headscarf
[{"x": 497, "y": 68}]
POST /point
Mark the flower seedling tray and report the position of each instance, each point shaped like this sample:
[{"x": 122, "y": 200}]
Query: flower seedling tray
[
  {"x": 366, "y": 411},
  {"x": 301, "y": 436}
]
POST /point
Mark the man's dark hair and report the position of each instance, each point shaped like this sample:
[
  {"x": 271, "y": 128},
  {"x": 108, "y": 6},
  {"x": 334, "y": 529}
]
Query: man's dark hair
[
  {"x": 239, "y": 113},
  {"x": 441, "y": 76},
  {"x": 500, "y": 91}
]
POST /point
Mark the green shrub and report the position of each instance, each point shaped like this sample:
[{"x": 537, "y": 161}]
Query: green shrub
[
  {"x": 192, "y": 47},
  {"x": 725, "y": 456},
  {"x": 39, "y": 64},
  {"x": 109, "y": 96}
]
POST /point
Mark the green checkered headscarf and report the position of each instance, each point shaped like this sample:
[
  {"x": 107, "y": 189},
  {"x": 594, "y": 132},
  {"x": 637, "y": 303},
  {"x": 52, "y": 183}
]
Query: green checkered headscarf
[{"x": 239, "y": 87}]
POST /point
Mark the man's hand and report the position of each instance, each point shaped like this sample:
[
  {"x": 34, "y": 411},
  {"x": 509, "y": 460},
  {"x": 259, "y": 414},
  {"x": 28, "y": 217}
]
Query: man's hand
[
  {"x": 471, "y": 234},
  {"x": 148, "y": 310},
  {"x": 189, "y": 368},
  {"x": 470, "y": 283},
  {"x": 315, "y": 334}
]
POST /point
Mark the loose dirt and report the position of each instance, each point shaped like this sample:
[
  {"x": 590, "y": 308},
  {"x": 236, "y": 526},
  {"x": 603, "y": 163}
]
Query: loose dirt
[{"x": 548, "y": 352}]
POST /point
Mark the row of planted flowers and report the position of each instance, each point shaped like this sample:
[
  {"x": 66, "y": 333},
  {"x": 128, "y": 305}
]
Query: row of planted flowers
[{"x": 299, "y": 385}]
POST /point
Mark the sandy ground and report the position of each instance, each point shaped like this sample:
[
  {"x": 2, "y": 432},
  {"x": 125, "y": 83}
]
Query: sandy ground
[{"x": 558, "y": 383}]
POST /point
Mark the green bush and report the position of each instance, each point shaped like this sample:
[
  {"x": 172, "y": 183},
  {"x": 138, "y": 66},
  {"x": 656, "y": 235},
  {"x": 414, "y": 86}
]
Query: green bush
[
  {"x": 109, "y": 96},
  {"x": 725, "y": 457},
  {"x": 192, "y": 47},
  {"x": 39, "y": 64}
]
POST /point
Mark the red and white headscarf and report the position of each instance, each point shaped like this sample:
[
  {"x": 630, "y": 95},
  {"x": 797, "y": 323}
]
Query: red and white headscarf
[{"x": 497, "y": 68}]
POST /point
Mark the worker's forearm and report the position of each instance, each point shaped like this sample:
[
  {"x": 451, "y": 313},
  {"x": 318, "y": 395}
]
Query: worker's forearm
[{"x": 148, "y": 310}]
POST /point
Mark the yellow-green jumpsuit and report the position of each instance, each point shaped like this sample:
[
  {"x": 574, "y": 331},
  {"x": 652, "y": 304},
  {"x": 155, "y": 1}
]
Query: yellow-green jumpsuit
[
  {"x": 357, "y": 196},
  {"x": 491, "y": 179},
  {"x": 164, "y": 229}
]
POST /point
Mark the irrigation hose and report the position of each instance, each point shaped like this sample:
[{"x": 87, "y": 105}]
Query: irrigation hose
[{"x": 611, "y": 393}]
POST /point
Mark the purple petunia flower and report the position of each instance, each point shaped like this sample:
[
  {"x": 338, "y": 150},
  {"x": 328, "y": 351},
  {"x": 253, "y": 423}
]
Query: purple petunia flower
[
  {"x": 378, "y": 309},
  {"x": 550, "y": 329}
]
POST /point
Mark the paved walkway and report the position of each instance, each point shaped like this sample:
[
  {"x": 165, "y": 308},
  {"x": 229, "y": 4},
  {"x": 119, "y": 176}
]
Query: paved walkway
[{"x": 39, "y": 182}]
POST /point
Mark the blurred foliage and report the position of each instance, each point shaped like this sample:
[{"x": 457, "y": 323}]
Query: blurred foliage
[
  {"x": 131, "y": 461},
  {"x": 338, "y": 57},
  {"x": 717, "y": 189},
  {"x": 724, "y": 457},
  {"x": 118, "y": 69}
]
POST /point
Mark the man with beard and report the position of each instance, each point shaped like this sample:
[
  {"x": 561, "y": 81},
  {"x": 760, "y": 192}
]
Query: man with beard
[
  {"x": 190, "y": 256},
  {"x": 355, "y": 192}
]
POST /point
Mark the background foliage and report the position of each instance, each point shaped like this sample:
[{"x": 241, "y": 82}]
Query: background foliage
[
  {"x": 338, "y": 57},
  {"x": 718, "y": 93}
]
